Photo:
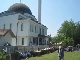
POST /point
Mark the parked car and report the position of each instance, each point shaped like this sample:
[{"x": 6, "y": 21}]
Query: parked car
[{"x": 70, "y": 48}]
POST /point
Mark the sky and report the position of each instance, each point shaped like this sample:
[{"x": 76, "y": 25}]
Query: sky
[{"x": 53, "y": 12}]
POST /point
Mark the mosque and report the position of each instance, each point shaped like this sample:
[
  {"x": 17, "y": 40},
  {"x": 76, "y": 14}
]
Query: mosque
[{"x": 19, "y": 27}]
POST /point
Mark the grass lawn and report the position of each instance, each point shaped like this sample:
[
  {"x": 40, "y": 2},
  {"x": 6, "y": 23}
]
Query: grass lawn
[{"x": 53, "y": 56}]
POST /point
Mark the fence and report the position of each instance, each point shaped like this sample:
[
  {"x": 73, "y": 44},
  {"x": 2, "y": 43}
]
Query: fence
[
  {"x": 23, "y": 48},
  {"x": 10, "y": 55}
]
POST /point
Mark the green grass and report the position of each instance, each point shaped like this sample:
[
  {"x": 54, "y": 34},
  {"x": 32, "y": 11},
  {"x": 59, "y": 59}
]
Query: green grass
[{"x": 53, "y": 56}]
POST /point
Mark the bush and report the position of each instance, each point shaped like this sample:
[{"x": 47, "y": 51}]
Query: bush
[{"x": 2, "y": 56}]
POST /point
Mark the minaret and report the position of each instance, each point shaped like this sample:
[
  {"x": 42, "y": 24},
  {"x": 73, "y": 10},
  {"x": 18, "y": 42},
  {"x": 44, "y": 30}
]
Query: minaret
[
  {"x": 20, "y": 1},
  {"x": 39, "y": 11}
]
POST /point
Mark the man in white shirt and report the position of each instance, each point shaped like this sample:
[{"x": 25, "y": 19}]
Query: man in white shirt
[{"x": 60, "y": 52}]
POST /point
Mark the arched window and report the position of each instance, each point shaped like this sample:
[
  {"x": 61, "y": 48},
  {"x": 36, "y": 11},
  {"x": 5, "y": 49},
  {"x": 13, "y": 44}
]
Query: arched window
[{"x": 22, "y": 27}]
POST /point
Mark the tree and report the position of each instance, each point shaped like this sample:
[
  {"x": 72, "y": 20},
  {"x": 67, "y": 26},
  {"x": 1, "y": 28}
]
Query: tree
[
  {"x": 68, "y": 41},
  {"x": 77, "y": 33},
  {"x": 69, "y": 33},
  {"x": 67, "y": 28},
  {"x": 66, "y": 32},
  {"x": 57, "y": 38}
]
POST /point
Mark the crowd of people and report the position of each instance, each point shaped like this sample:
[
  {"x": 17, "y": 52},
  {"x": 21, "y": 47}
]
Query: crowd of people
[
  {"x": 78, "y": 46},
  {"x": 18, "y": 54},
  {"x": 27, "y": 54},
  {"x": 22, "y": 55}
]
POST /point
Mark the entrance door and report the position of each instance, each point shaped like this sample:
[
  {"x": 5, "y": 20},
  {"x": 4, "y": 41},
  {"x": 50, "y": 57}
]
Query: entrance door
[
  {"x": 40, "y": 41},
  {"x": 34, "y": 41}
]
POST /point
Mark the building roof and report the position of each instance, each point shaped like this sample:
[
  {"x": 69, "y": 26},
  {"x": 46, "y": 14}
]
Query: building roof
[
  {"x": 32, "y": 19},
  {"x": 39, "y": 35},
  {"x": 3, "y": 32},
  {"x": 38, "y": 23},
  {"x": 19, "y": 8}
]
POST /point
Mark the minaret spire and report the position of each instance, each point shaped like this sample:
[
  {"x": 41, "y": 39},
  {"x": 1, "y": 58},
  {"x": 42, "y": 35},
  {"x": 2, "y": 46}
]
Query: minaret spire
[
  {"x": 20, "y": 1},
  {"x": 39, "y": 11}
]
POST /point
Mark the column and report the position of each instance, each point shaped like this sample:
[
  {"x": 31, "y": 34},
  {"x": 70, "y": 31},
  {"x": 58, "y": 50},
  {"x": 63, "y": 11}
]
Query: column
[
  {"x": 27, "y": 41},
  {"x": 46, "y": 41}
]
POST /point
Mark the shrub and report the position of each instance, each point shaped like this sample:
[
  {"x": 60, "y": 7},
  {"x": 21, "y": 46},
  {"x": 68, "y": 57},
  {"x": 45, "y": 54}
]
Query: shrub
[{"x": 2, "y": 56}]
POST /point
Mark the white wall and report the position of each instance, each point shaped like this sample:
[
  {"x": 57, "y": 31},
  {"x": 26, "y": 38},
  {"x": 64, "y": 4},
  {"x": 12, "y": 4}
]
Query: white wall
[
  {"x": 26, "y": 41},
  {"x": 33, "y": 34},
  {"x": 25, "y": 28},
  {"x": 13, "y": 41},
  {"x": 5, "y": 39},
  {"x": 30, "y": 40},
  {"x": 7, "y": 20},
  {"x": 47, "y": 39}
]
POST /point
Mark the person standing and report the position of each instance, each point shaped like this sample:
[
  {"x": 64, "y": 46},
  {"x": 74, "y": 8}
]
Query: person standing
[
  {"x": 32, "y": 50},
  {"x": 60, "y": 52}
]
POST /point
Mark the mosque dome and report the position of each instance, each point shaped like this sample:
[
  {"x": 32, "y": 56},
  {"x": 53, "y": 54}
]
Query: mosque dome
[{"x": 19, "y": 8}]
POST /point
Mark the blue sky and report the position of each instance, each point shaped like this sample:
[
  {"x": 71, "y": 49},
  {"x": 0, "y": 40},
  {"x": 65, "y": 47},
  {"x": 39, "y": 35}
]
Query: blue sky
[{"x": 54, "y": 12}]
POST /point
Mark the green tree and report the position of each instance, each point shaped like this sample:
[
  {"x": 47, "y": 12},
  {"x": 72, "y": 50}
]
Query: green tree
[
  {"x": 67, "y": 29},
  {"x": 77, "y": 33},
  {"x": 57, "y": 38},
  {"x": 68, "y": 41},
  {"x": 69, "y": 33}
]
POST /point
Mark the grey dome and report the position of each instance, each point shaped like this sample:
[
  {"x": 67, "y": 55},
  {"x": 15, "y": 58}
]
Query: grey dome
[{"x": 20, "y": 8}]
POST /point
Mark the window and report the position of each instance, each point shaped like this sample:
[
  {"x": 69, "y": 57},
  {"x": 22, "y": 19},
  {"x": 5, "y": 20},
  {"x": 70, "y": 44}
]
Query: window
[
  {"x": 4, "y": 26},
  {"x": 22, "y": 41},
  {"x": 31, "y": 28},
  {"x": 30, "y": 39},
  {"x": 35, "y": 29},
  {"x": 42, "y": 31},
  {"x": 39, "y": 30},
  {"x": 22, "y": 27},
  {"x": 30, "y": 42},
  {"x": 10, "y": 26}
]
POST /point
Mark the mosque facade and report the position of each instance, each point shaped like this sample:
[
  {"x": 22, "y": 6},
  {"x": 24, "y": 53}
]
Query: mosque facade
[{"x": 19, "y": 27}]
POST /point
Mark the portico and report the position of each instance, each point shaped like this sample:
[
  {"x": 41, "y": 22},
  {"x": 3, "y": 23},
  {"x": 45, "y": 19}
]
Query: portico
[{"x": 40, "y": 40}]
